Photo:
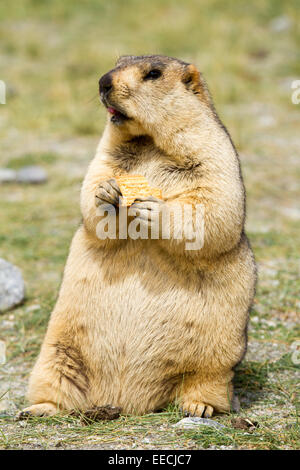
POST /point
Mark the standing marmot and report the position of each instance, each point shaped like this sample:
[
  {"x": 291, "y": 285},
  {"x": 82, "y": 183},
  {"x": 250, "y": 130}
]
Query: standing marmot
[{"x": 140, "y": 323}]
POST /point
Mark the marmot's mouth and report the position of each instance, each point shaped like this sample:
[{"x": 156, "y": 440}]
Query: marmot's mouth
[{"x": 117, "y": 116}]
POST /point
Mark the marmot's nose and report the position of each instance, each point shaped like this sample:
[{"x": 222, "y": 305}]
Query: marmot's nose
[{"x": 105, "y": 84}]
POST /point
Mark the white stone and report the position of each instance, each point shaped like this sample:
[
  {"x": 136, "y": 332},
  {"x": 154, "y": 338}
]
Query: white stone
[
  {"x": 7, "y": 175},
  {"x": 195, "y": 422},
  {"x": 281, "y": 23},
  {"x": 12, "y": 288},
  {"x": 2, "y": 353}
]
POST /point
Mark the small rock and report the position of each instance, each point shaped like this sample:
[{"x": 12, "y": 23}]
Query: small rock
[
  {"x": 194, "y": 422},
  {"x": 7, "y": 175},
  {"x": 4, "y": 404},
  {"x": 244, "y": 423},
  {"x": 23, "y": 424},
  {"x": 291, "y": 212},
  {"x": 32, "y": 308},
  {"x": 11, "y": 91},
  {"x": 266, "y": 120},
  {"x": 7, "y": 324},
  {"x": 2, "y": 353},
  {"x": 32, "y": 175},
  {"x": 12, "y": 289},
  {"x": 281, "y": 23}
]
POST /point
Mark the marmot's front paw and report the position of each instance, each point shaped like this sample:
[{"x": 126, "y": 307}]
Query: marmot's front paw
[
  {"x": 147, "y": 210},
  {"x": 107, "y": 193}
]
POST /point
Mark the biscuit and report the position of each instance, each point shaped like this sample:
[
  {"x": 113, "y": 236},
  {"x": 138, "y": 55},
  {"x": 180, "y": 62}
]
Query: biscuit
[{"x": 134, "y": 186}]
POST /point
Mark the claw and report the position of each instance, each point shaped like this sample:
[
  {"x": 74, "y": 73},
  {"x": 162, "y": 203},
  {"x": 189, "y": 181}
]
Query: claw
[
  {"x": 197, "y": 409},
  {"x": 24, "y": 415}
]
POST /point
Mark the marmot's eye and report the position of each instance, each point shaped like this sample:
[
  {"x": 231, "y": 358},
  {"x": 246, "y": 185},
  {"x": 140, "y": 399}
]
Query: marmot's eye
[{"x": 153, "y": 74}]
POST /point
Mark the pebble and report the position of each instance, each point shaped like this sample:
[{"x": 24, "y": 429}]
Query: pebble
[
  {"x": 4, "y": 404},
  {"x": 2, "y": 353},
  {"x": 32, "y": 308},
  {"x": 281, "y": 23},
  {"x": 195, "y": 422},
  {"x": 266, "y": 120}
]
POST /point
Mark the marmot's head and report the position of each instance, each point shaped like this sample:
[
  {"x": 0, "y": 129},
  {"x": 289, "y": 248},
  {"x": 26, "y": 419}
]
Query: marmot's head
[{"x": 148, "y": 91}]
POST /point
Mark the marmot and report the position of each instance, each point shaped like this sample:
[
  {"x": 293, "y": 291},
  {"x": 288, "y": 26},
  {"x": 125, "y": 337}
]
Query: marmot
[{"x": 142, "y": 323}]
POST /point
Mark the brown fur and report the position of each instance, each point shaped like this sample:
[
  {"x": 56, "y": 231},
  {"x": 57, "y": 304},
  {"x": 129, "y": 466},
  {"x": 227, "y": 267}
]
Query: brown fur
[{"x": 141, "y": 323}]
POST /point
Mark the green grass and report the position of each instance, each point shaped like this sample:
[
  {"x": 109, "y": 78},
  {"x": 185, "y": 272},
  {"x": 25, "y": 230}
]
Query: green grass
[
  {"x": 62, "y": 48},
  {"x": 43, "y": 159},
  {"x": 149, "y": 431},
  {"x": 51, "y": 57}
]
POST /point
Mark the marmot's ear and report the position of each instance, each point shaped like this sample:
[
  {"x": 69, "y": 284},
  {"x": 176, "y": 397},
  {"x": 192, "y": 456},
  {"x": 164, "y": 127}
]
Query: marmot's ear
[
  {"x": 191, "y": 78},
  {"x": 124, "y": 59}
]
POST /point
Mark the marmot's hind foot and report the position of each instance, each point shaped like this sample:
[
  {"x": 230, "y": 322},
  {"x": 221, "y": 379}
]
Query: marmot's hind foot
[
  {"x": 41, "y": 409},
  {"x": 197, "y": 409}
]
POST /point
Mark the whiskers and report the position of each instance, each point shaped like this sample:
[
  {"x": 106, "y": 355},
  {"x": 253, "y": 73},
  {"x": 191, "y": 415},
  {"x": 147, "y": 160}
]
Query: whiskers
[{"x": 93, "y": 99}]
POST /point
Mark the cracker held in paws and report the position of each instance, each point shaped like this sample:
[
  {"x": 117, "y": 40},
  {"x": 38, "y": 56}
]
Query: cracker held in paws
[
  {"x": 140, "y": 323},
  {"x": 135, "y": 186}
]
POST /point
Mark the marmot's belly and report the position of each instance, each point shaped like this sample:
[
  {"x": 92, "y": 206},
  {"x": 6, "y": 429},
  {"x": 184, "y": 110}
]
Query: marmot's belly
[
  {"x": 147, "y": 301},
  {"x": 147, "y": 337},
  {"x": 147, "y": 320},
  {"x": 155, "y": 325},
  {"x": 135, "y": 311}
]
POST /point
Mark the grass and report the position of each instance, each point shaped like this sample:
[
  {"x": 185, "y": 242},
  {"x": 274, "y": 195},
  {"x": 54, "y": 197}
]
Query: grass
[
  {"x": 153, "y": 430},
  {"x": 44, "y": 159},
  {"x": 54, "y": 53}
]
